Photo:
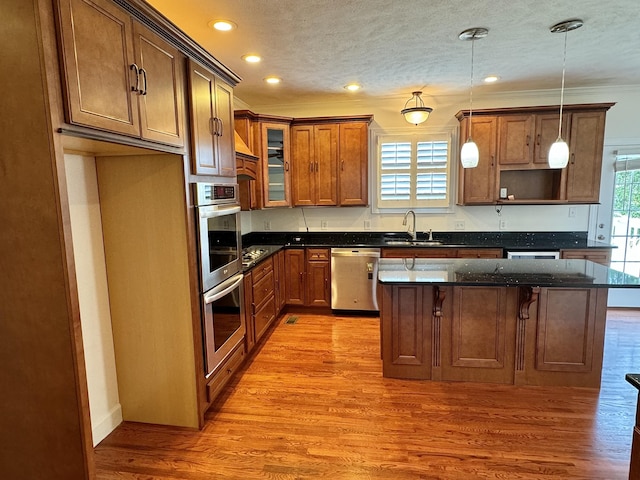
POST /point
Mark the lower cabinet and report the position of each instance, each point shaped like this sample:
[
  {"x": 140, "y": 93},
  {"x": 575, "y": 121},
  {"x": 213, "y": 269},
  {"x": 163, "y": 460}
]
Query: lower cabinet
[
  {"x": 308, "y": 277},
  {"x": 511, "y": 335},
  {"x": 260, "y": 305},
  {"x": 441, "y": 252},
  {"x": 598, "y": 255},
  {"x": 224, "y": 372}
]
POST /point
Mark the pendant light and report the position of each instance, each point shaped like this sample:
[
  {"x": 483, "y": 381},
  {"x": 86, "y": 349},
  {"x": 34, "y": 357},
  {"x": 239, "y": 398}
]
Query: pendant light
[
  {"x": 418, "y": 113},
  {"x": 469, "y": 154},
  {"x": 559, "y": 151}
]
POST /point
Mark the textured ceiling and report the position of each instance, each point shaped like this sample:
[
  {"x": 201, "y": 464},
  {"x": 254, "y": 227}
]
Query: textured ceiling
[{"x": 395, "y": 47}]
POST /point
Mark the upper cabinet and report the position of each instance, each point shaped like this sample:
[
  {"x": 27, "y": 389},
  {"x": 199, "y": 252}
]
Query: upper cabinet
[
  {"x": 329, "y": 158},
  {"x": 211, "y": 114},
  {"x": 514, "y": 144},
  {"x": 119, "y": 76},
  {"x": 320, "y": 161}
]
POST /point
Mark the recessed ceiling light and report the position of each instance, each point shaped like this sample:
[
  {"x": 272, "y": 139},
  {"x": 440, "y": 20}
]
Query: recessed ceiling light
[
  {"x": 353, "y": 87},
  {"x": 222, "y": 25},
  {"x": 251, "y": 58},
  {"x": 491, "y": 78},
  {"x": 273, "y": 80}
]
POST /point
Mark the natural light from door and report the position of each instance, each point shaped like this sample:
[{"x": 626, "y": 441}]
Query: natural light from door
[{"x": 625, "y": 225}]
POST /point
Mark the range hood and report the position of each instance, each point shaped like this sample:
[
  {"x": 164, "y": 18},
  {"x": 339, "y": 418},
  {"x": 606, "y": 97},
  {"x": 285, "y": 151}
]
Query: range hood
[{"x": 246, "y": 161}]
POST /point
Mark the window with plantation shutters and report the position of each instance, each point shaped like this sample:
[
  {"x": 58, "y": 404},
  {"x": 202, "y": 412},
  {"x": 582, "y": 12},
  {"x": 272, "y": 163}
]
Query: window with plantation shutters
[{"x": 413, "y": 172}]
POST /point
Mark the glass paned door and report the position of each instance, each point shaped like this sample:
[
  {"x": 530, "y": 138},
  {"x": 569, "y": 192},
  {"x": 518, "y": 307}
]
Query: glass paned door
[{"x": 625, "y": 225}]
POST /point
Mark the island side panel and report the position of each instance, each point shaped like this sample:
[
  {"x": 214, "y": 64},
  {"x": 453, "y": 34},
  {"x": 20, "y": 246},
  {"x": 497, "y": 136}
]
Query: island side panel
[
  {"x": 406, "y": 314},
  {"x": 565, "y": 338},
  {"x": 478, "y": 335}
]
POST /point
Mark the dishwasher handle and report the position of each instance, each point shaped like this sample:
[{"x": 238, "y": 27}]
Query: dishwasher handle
[{"x": 348, "y": 252}]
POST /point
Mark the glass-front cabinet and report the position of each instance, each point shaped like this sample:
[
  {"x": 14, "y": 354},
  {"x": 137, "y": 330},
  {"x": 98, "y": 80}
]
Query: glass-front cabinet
[{"x": 275, "y": 165}]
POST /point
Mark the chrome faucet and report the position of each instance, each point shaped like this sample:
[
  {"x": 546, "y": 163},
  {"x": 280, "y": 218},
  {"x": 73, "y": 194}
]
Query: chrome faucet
[{"x": 412, "y": 228}]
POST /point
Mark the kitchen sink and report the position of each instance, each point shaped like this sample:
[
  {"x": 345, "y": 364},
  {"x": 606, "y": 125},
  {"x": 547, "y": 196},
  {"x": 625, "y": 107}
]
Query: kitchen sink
[{"x": 413, "y": 242}]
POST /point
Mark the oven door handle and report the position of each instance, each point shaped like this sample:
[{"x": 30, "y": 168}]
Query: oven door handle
[
  {"x": 218, "y": 210},
  {"x": 221, "y": 290}
]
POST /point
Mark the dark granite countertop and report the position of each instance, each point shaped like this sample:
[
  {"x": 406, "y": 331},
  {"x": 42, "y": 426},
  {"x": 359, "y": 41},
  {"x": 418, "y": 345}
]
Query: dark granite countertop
[
  {"x": 633, "y": 379},
  {"x": 503, "y": 272},
  {"x": 268, "y": 251},
  {"x": 512, "y": 241}
]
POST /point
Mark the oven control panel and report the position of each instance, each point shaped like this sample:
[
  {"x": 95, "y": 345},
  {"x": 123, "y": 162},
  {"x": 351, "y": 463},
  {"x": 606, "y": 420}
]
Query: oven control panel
[{"x": 216, "y": 193}]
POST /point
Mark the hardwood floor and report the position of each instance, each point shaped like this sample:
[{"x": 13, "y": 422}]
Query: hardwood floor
[{"x": 313, "y": 404}]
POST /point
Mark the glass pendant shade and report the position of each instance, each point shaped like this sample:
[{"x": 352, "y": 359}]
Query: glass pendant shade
[
  {"x": 418, "y": 113},
  {"x": 559, "y": 154},
  {"x": 469, "y": 154}
]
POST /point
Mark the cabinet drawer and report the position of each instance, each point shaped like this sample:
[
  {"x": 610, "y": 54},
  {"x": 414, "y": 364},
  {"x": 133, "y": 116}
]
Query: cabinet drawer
[
  {"x": 260, "y": 270},
  {"x": 264, "y": 317},
  {"x": 262, "y": 289},
  {"x": 479, "y": 253},
  {"x": 224, "y": 373},
  {"x": 314, "y": 254}
]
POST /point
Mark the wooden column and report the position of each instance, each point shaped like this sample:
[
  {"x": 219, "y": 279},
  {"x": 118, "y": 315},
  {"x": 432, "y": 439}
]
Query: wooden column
[{"x": 44, "y": 426}]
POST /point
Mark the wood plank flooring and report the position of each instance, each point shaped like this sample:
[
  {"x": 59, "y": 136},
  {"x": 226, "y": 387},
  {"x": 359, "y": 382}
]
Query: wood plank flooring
[{"x": 312, "y": 404}]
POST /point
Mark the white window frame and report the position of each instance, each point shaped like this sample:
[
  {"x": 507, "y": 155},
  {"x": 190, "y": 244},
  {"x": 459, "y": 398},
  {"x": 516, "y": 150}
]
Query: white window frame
[{"x": 425, "y": 206}]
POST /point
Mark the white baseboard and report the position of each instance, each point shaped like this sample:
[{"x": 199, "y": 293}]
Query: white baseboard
[{"x": 107, "y": 425}]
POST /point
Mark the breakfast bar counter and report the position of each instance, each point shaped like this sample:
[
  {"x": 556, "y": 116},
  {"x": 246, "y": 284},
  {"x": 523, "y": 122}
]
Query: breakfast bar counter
[{"x": 524, "y": 322}]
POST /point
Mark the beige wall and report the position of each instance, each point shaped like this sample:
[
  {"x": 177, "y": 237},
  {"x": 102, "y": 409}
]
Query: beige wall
[{"x": 93, "y": 294}]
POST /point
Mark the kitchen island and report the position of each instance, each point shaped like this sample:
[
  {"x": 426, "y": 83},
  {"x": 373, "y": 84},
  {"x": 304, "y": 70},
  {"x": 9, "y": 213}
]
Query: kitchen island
[{"x": 524, "y": 322}]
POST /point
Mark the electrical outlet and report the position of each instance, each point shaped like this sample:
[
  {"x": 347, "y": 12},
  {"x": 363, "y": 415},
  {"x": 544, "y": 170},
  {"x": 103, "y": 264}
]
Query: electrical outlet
[
  {"x": 225, "y": 224},
  {"x": 324, "y": 224},
  {"x": 367, "y": 224},
  {"x": 459, "y": 225},
  {"x": 572, "y": 212},
  {"x": 503, "y": 224},
  {"x": 267, "y": 225}
]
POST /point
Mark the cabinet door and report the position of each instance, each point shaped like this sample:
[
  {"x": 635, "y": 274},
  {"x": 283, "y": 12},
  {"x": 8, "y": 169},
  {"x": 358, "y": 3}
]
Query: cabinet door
[
  {"x": 515, "y": 139},
  {"x": 326, "y": 164},
  {"x": 479, "y": 253},
  {"x": 295, "y": 273},
  {"x": 281, "y": 295},
  {"x": 353, "y": 161},
  {"x": 585, "y": 160},
  {"x": 162, "y": 105},
  {"x": 318, "y": 292},
  {"x": 97, "y": 56},
  {"x": 478, "y": 335},
  {"x": 275, "y": 165},
  {"x": 546, "y": 135},
  {"x": 225, "y": 138},
  {"x": 249, "y": 310},
  {"x": 406, "y": 318},
  {"x": 478, "y": 185},
  {"x": 303, "y": 165},
  {"x": 202, "y": 91},
  {"x": 602, "y": 255},
  {"x": 565, "y": 345}
]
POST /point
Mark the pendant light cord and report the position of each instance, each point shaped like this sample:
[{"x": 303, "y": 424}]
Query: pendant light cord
[
  {"x": 564, "y": 64},
  {"x": 473, "y": 39}
]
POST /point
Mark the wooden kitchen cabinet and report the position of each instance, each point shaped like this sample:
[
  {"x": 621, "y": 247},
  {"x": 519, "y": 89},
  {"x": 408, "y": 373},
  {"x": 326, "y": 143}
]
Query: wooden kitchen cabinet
[
  {"x": 314, "y": 154},
  {"x": 441, "y": 252},
  {"x": 260, "y": 301},
  {"x": 586, "y": 142},
  {"x": 353, "y": 162},
  {"x": 308, "y": 280},
  {"x": 406, "y": 313},
  {"x": 598, "y": 255},
  {"x": 211, "y": 114},
  {"x": 524, "y": 136},
  {"x": 478, "y": 185},
  {"x": 330, "y": 158},
  {"x": 280, "y": 275},
  {"x": 477, "y": 340},
  {"x": 479, "y": 253},
  {"x": 564, "y": 338},
  {"x": 126, "y": 79}
]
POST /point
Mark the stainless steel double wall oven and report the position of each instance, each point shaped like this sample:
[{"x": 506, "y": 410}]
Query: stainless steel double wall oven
[{"x": 220, "y": 246}]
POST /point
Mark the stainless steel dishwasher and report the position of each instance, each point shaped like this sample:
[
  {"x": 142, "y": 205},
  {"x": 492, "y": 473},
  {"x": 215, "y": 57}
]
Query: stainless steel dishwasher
[{"x": 354, "y": 274}]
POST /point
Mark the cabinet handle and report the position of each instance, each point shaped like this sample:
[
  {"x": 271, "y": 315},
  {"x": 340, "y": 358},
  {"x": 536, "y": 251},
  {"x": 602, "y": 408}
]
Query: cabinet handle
[
  {"x": 573, "y": 159},
  {"x": 316, "y": 166},
  {"x": 221, "y": 123},
  {"x": 492, "y": 159},
  {"x": 211, "y": 126},
  {"x": 136, "y": 88},
  {"x": 528, "y": 139},
  {"x": 310, "y": 167},
  {"x": 144, "y": 81},
  {"x": 538, "y": 139},
  {"x": 342, "y": 165},
  {"x": 286, "y": 166}
]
